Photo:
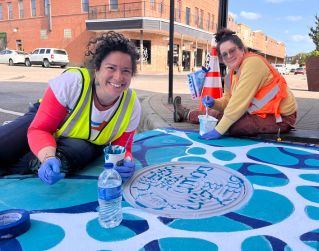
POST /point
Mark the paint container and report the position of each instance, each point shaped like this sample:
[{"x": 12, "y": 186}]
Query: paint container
[
  {"x": 206, "y": 123},
  {"x": 114, "y": 154}
]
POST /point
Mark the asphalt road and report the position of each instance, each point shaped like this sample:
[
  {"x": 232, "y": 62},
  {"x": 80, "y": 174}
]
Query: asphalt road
[{"x": 20, "y": 85}]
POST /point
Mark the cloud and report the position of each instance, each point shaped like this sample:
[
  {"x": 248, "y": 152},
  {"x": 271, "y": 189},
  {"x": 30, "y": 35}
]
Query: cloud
[
  {"x": 232, "y": 14},
  {"x": 250, "y": 15},
  {"x": 293, "y": 18},
  {"x": 300, "y": 38}
]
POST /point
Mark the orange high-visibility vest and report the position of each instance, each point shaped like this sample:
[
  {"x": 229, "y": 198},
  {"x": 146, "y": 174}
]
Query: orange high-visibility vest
[{"x": 267, "y": 99}]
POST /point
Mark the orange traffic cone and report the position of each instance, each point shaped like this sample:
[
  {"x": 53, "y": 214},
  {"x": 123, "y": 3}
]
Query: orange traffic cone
[{"x": 213, "y": 83}]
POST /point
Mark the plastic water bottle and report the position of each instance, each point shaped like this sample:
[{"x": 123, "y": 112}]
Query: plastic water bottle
[{"x": 110, "y": 197}]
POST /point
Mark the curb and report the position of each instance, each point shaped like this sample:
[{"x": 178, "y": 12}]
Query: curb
[
  {"x": 149, "y": 118},
  {"x": 13, "y": 77}
]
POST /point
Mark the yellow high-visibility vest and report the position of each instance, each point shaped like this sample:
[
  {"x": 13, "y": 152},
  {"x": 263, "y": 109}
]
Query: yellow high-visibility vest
[{"x": 77, "y": 125}]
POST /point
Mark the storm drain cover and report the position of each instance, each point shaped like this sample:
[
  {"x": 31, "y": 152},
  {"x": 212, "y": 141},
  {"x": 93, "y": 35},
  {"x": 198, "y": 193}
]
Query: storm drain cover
[{"x": 187, "y": 190}]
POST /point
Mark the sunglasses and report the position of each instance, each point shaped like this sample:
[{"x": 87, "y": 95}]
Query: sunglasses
[{"x": 230, "y": 53}]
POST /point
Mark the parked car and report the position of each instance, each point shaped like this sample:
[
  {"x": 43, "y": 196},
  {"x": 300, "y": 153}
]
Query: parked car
[
  {"x": 13, "y": 57},
  {"x": 281, "y": 68},
  {"x": 300, "y": 70},
  {"x": 49, "y": 56}
]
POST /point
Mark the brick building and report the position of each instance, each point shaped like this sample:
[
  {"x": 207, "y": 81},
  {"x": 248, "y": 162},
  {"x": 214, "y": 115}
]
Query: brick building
[{"x": 28, "y": 24}]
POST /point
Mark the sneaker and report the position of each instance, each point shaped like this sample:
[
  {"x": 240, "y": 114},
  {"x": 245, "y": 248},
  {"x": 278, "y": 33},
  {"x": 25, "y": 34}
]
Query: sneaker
[{"x": 180, "y": 112}]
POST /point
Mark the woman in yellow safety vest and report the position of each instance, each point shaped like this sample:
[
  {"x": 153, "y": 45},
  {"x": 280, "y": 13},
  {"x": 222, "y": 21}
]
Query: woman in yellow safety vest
[
  {"x": 82, "y": 111},
  {"x": 256, "y": 98}
]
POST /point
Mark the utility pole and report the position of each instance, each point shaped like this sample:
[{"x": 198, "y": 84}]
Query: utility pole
[
  {"x": 171, "y": 51},
  {"x": 222, "y": 14},
  {"x": 222, "y": 23}
]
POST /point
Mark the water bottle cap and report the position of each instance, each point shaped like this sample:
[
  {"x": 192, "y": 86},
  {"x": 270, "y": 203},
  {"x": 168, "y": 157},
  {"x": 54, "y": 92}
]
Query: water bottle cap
[{"x": 108, "y": 165}]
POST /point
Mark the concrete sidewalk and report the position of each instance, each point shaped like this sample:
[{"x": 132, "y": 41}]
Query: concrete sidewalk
[{"x": 158, "y": 113}]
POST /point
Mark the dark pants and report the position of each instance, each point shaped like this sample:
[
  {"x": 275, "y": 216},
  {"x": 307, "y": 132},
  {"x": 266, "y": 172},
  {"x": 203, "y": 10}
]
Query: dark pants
[
  {"x": 16, "y": 157},
  {"x": 251, "y": 124}
]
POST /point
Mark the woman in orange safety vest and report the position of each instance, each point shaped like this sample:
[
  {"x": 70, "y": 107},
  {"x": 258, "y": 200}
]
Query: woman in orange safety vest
[{"x": 256, "y": 98}]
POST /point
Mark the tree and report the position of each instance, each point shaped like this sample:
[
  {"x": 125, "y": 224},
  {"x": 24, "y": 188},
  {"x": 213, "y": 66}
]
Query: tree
[{"x": 314, "y": 33}]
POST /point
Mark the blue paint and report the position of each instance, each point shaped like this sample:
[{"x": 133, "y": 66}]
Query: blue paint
[
  {"x": 7, "y": 181},
  {"x": 40, "y": 196},
  {"x": 211, "y": 224},
  {"x": 311, "y": 238},
  {"x": 77, "y": 209},
  {"x": 196, "y": 150},
  {"x": 10, "y": 245},
  {"x": 224, "y": 155},
  {"x": 186, "y": 244},
  {"x": 263, "y": 204},
  {"x": 277, "y": 156},
  {"x": 152, "y": 156},
  {"x": 165, "y": 140},
  {"x": 262, "y": 169},
  {"x": 264, "y": 243},
  {"x": 297, "y": 151},
  {"x": 310, "y": 193},
  {"x": 312, "y": 162},
  {"x": 130, "y": 226},
  {"x": 146, "y": 134},
  {"x": 310, "y": 177},
  {"x": 312, "y": 212},
  {"x": 194, "y": 159},
  {"x": 223, "y": 142},
  {"x": 41, "y": 236},
  {"x": 261, "y": 174},
  {"x": 118, "y": 233}
]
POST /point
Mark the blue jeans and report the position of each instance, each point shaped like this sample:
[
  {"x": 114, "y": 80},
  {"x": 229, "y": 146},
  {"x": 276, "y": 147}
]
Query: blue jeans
[{"x": 16, "y": 157}]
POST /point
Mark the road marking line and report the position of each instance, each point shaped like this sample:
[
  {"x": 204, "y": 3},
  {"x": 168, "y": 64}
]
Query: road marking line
[{"x": 11, "y": 112}]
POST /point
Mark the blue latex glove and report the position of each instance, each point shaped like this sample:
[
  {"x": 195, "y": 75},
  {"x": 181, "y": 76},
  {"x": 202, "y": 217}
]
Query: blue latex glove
[
  {"x": 126, "y": 169},
  {"x": 49, "y": 171},
  {"x": 208, "y": 101},
  {"x": 213, "y": 134}
]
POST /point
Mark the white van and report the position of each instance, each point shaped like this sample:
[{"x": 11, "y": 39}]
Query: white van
[
  {"x": 49, "y": 56},
  {"x": 281, "y": 68}
]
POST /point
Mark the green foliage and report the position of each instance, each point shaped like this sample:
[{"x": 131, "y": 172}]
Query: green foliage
[
  {"x": 300, "y": 58},
  {"x": 314, "y": 33},
  {"x": 314, "y": 53}
]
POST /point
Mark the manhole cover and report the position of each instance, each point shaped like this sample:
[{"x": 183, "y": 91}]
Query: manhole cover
[{"x": 187, "y": 190}]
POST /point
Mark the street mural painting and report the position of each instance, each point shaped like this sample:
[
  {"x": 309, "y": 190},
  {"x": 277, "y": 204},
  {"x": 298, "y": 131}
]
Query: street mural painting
[{"x": 187, "y": 194}]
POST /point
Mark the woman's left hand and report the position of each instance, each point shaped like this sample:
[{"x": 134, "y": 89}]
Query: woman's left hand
[
  {"x": 213, "y": 134},
  {"x": 126, "y": 169}
]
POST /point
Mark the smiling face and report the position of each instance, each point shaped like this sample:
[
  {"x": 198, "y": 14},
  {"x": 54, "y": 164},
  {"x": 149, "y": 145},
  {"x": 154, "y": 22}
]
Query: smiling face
[
  {"x": 231, "y": 54},
  {"x": 114, "y": 76}
]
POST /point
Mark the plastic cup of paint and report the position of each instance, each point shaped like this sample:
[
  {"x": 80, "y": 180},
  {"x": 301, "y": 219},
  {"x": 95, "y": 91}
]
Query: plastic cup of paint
[
  {"x": 114, "y": 154},
  {"x": 206, "y": 123}
]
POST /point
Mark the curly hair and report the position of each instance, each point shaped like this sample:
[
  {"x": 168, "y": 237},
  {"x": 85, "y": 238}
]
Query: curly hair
[
  {"x": 225, "y": 35},
  {"x": 99, "y": 47}
]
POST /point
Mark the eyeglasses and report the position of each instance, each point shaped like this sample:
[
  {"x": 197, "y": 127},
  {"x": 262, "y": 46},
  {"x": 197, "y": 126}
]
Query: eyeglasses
[{"x": 230, "y": 53}]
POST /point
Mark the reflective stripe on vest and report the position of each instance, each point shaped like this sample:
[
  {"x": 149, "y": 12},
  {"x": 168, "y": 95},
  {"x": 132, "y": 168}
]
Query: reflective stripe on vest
[
  {"x": 77, "y": 125},
  {"x": 273, "y": 96},
  {"x": 257, "y": 104}
]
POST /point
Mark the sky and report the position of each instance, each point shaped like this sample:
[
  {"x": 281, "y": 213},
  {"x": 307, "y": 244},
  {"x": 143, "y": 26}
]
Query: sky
[{"x": 288, "y": 21}]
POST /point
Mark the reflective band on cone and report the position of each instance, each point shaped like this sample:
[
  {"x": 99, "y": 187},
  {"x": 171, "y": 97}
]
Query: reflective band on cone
[
  {"x": 13, "y": 222},
  {"x": 213, "y": 83}
]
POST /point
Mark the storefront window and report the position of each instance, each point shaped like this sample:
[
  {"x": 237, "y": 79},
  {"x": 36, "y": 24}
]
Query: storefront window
[{"x": 146, "y": 50}]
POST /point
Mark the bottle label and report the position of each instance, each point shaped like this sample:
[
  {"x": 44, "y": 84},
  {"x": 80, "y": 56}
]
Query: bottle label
[{"x": 109, "y": 193}]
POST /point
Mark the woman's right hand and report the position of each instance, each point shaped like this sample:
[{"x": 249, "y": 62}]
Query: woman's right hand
[
  {"x": 208, "y": 101},
  {"x": 49, "y": 171}
]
